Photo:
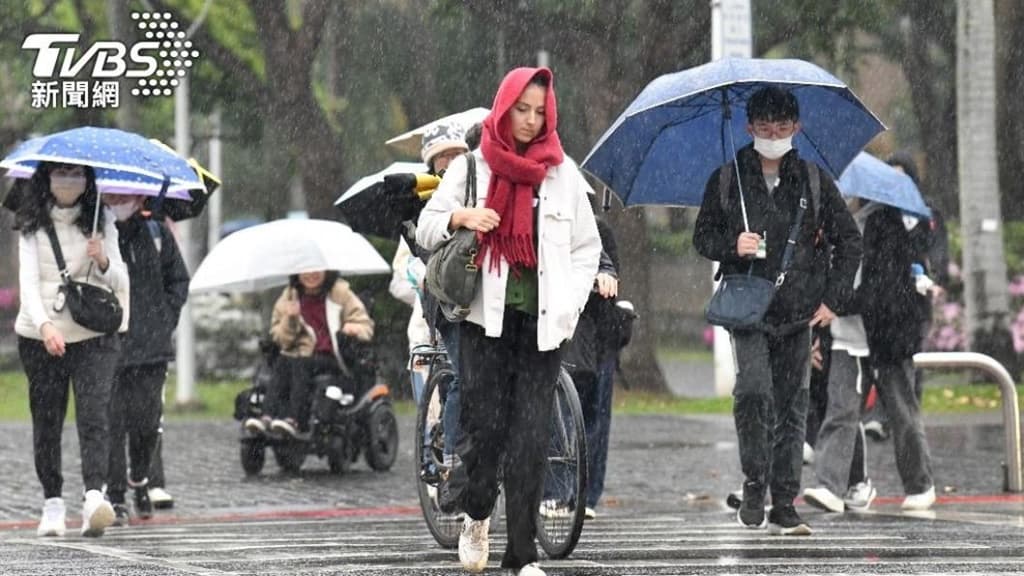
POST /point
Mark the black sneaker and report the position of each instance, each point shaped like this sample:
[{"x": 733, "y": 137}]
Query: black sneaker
[
  {"x": 121, "y": 515},
  {"x": 143, "y": 505},
  {"x": 784, "y": 520},
  {"x": 751, "y": 511}
]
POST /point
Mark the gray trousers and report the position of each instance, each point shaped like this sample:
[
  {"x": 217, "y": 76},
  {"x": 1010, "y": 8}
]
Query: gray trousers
[
  {"x": 896, "y": 388},
  {"x": 770, "y": 409},
  {"x": 841, "y": 430}
]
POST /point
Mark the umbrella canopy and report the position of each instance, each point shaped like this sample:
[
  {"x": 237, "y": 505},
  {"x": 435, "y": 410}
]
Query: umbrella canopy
[
  {"x": 368, "y": 210},
  {"x": 869, "y": 178},
  {"x": 682, "y": 126},
  {"x": 125, "y": 163},
  {"x": 411, "y": 141},
  {"x": 184, "y": 208},
  {"x": 264, "y": 256}
]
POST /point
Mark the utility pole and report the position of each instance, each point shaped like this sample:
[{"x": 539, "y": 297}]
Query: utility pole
[{"x": 730, "y": 36}]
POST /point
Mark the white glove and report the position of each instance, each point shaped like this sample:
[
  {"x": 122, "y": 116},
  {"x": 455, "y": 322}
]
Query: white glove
[{"x": 923, "y": 284}]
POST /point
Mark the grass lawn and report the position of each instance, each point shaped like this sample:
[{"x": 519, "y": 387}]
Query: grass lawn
[{"x": 217, "y": 400}]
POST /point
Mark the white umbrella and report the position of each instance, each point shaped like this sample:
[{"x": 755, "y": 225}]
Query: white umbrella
[
  {"x": 367, "y": 182},
  {"x": 265, "y": 256},
  {"x": 411, "y": 141}
]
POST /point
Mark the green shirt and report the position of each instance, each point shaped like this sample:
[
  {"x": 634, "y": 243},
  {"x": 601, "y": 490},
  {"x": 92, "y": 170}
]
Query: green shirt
[{"x": 521, "y": 291}]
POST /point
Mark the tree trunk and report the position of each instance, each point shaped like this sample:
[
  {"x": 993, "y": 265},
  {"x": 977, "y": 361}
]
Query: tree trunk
[
  {"x": 1010, "y": 25},
  {"x": 981, "y": 221}
]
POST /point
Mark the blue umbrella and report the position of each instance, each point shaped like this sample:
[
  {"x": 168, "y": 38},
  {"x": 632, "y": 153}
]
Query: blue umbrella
[
  {"x": 684, "y": 125},
  {"x": 869, "y": 178},
  {"x": 124, "y": 163}
]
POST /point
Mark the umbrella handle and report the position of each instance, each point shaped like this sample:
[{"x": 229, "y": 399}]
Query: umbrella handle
[
  {"x": 96, "y": 213},
  {"x": 727, "y": 130}
]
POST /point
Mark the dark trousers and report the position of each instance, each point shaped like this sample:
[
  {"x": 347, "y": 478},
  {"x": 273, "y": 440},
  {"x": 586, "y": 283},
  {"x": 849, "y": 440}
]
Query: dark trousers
[
  {"x": 507, "y": 393},
  {"x": 896, "y": 388},
  {"x": 596, "y": 401},
  {"x": 290, "y": 396},
  {"x": 136, "y": 407},
  {"x": 89, "y": 367},
  {"x": 770, "y": 409},
  {"x": 818, "y": 391}
]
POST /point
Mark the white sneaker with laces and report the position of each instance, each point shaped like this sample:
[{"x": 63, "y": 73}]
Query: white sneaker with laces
[
  {"x": 860, "y": 496},
  {"x": 554, "y": 509},
  {"x": 922, "y": 501},
  {"x": 160, "y": 498},
  {"x": 53, "y": 521},
  {"x": 97, "y": 514},
  {"x": 474, "y": 545},
  {"x": 824, "y": 499},
  {"x": 589, "y": 513},
  {"x": 531, "y": 569}
]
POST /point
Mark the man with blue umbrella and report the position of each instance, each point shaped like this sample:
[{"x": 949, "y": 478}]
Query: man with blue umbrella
[{"x": 770, "y": 214}]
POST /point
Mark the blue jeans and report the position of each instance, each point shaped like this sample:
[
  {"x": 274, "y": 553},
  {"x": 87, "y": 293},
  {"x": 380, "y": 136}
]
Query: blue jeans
[
  {"x": 597, "y": 417},
  {"x": 452, "y": 404}
]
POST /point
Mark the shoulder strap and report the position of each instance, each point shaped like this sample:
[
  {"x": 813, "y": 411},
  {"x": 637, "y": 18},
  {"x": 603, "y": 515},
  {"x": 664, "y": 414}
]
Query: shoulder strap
[
  {"x": 814, "y": 177},
  {"x": 470, "y": 180},
  {"x": 724, "y": 181},
  {"x": 57, "y": 253},
  {"x": 794, "y": 230}
]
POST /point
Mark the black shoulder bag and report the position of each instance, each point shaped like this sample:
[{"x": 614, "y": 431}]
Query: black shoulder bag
[
  {"x": 742, "y": 300},
  {"x": 91, "y": 307},
  {"x": 452, "y": 274}
]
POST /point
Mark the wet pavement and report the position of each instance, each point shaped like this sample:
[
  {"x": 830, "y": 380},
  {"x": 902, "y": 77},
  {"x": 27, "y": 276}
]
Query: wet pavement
[{"x": 663, "y": 513}]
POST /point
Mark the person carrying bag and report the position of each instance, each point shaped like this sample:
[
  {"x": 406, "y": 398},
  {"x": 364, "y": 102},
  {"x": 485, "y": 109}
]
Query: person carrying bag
[
  {"x": 452, "y": 272},
  {"x": 91, "y": 306}
]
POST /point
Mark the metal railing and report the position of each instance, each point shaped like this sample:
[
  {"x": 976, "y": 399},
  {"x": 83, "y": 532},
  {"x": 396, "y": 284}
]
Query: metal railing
[{"x": 1008, "y": 392}]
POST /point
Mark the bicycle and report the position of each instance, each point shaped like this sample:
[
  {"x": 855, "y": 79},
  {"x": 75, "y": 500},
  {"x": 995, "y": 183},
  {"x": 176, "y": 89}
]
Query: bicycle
[{"x": 558, "y": 526}]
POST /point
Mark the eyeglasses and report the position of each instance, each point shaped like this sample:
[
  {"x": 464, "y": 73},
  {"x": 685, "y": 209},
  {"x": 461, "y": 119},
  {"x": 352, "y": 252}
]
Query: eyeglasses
[{"x": 773, "y": 130}]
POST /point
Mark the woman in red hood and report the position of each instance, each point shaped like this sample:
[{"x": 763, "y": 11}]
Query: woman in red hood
[{"x": 539, "y": 252}]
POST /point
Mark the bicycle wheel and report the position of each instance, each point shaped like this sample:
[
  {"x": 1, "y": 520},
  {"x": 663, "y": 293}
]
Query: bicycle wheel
[
  {"x": 443, "y": 527},
  {"x": 560, "y": 518}
]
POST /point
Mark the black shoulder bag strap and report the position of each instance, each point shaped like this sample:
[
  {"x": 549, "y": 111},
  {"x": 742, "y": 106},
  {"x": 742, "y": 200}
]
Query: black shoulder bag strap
[
  {"x": 794, "y": 231},
  {"x": 58, "y": 254}
]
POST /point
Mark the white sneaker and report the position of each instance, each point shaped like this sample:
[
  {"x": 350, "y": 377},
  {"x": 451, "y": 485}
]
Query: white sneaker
[
  {"x": 922, "y": 501},
  {"x": 53, "y": 521},
  {"x": 474, "y": 545},
  {"x": 859, "y": 497},
  {"x": 160, "y": 498},
  {"x": 531, "y": 569},
  {"x": 97, "y": 514},
  {"x": 589, "y": 513},
  {"x": 808, "y": 454},
  {"x": 824, "y": 499},
  {"x": 554, "y": 509},
  {"x": 255, "y": 426}
]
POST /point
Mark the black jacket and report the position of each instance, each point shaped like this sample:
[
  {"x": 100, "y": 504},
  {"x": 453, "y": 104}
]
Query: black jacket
[
  {"x": 597, "y": 332},
  {"x": 888, "y": 301},
  {"x": 811, "y": 280},
  {"x": 159, "y": 288}
]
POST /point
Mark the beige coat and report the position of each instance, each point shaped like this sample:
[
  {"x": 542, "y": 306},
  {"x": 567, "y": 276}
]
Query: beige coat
[{"x": 296, "y": 337}]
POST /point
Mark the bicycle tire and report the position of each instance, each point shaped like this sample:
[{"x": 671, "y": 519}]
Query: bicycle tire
[
  {"x": 559, "y": 534},
  {"x": 445, "y": 528}
]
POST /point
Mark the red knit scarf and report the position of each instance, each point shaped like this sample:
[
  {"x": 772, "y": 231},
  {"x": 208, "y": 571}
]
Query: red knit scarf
[{"x": 515, "y": 175}]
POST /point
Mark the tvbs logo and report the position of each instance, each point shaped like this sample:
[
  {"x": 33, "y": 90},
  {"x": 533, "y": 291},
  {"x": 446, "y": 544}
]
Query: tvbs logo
[{"x": 157, "y": 62}]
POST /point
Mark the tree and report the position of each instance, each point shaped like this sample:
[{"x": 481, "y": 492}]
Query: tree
[{"x": 981, "y": 220}]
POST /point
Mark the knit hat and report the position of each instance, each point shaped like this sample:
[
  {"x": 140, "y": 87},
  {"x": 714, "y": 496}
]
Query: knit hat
[{"x": 441, "y": 137}]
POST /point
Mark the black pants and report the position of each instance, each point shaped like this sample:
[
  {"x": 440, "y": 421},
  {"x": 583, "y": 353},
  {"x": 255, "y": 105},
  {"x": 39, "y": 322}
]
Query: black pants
[
  {"x": 770, "y": 409},
  {"x": 290, "y": 394},
  {"x": 818, "y": 392},
  {"x": 507, "y": 392},
  {"x": 136, "y": 406},
  {"x": 89, "y": 367}
]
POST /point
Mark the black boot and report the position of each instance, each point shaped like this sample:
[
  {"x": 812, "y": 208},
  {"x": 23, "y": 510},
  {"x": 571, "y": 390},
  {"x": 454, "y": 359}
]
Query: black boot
[{"x": 143, "y": 505}]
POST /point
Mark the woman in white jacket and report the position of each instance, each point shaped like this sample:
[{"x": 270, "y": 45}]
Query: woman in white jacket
[
  {"x": 55, "y": 351},
  {"x": 539, "y": 252}
]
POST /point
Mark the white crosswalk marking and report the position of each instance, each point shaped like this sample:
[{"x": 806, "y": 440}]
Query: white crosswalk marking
[{"x": 699, "y": 542}]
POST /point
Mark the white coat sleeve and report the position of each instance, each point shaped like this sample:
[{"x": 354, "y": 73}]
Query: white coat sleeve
[
  {"x": 585, "y": 249},
  {"x": 116, "y": 275},
  {"x": 432, "y": 228},
  {"x": 400, "y": 286},
  {"x": 28, "y": 280}
]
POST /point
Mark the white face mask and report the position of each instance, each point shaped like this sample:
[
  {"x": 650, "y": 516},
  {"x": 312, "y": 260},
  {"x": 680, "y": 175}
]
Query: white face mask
[
  {"x": 67, "y": 189},
  {"x": 773, "y": 149},
  {"x": 123, "y": 211}
]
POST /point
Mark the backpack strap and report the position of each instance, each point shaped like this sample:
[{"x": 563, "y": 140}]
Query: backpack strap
[
  {"x": 814, "y": 178},
  {"x": 724, "y": 181},
  {"x": 470, "y": 180}
]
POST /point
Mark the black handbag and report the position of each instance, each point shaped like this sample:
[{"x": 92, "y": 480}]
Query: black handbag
[
  {"x": 452, "y": 274},
  {"x": 92, "y": 307},
  {"x": 742, "y": 300}
]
